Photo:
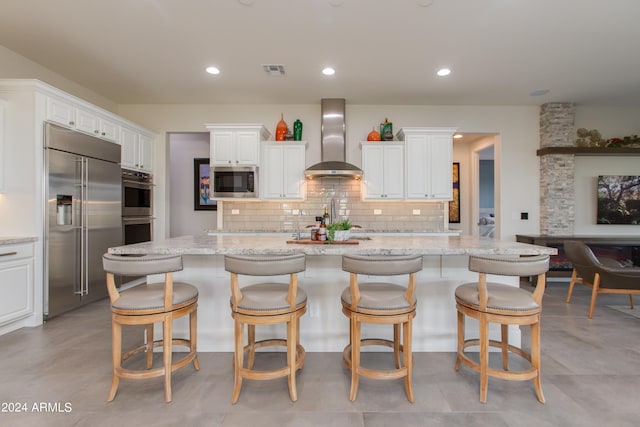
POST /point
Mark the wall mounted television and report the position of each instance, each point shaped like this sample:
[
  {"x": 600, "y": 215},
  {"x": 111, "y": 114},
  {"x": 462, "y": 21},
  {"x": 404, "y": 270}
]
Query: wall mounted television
[{"x": 618, "y": 199}]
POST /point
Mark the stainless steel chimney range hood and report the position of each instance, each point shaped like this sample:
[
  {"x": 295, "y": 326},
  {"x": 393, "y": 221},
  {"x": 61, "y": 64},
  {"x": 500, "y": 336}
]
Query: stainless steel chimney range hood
[{"x": 333, "y": 144}]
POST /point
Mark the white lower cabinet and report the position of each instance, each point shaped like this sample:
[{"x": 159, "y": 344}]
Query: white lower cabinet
[
  {"x": 16, "y": 282},
  {"x": 383, "y": 171},
  {"x": 282, "y": 170}
]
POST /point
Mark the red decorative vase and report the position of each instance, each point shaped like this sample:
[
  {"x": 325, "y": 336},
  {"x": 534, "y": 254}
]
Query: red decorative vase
[
  {"x": 373, "y": 135},
  {"x": 281, "y": 129}
]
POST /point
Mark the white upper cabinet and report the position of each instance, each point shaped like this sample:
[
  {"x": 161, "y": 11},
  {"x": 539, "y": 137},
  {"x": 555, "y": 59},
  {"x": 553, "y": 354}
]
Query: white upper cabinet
[
  {"x": 428, "y": 167},
  {"x": 61, "y": 112},
  {"x": 236, "y": 144},
  {"x": 137, "y": 150},
  {"x": 383, "y": 170},
  {"x": 282, "y": 170},
  {"x": 3, "y": 105},
  {"x": 82, "y": 119}
]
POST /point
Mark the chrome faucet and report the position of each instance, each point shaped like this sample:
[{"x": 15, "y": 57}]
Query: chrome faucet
[{"x": 298, "y": 224}]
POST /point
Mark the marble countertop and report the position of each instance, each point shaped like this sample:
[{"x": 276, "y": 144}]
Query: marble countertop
[
  {"x": 13, "y": 240},
  {"x": 378, "y": 244}
]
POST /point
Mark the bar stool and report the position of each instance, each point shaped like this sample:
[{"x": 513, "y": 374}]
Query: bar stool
[
  {"x": 266, "y": 303},
  {"x": 144, "y": 305},
  {"x": 380, "y": 303},
  {"x": 507, "y": 305}
]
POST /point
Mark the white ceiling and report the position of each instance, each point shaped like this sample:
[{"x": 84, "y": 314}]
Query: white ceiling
[{"x": 384, "y": 51}]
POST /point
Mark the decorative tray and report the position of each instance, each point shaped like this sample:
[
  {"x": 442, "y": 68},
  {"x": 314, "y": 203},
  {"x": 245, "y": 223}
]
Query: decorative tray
[{"x": 323, "y": 242}]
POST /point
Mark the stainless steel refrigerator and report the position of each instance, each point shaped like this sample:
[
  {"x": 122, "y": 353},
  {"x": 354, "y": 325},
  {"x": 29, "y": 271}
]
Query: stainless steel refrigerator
[{"x": 83, "y": 216}]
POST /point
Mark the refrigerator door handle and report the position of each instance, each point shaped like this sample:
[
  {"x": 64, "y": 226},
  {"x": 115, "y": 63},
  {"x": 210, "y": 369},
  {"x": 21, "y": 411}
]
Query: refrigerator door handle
[
  {"x": 80, "y": 161},
  {"x": 85, "y": 226}
]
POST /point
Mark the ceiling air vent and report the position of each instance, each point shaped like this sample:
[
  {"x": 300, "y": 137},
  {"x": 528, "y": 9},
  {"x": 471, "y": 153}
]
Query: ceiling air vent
[{"x": 274, "y": 70}]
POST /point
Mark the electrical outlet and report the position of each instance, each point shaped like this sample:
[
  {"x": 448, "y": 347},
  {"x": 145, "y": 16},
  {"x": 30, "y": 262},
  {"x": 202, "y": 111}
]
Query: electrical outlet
[
  {"x": 416, "y": 211},
  {"x": 377, "y": 211},
  {"x": 235, "y": 211}
]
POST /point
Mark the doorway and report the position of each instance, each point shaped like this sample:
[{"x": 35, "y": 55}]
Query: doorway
[{"x": 486, "y": 192}]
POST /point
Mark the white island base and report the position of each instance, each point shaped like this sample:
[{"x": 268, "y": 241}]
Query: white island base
[{"x": 324, "y": 328}]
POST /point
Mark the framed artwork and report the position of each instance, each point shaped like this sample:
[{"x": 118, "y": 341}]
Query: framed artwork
[
  {"x": 454, "y": 205},
  {"x": 202, "y": 194}
]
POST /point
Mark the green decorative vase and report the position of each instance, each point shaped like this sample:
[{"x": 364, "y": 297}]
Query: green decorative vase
[{"x": 297, "y": 130}]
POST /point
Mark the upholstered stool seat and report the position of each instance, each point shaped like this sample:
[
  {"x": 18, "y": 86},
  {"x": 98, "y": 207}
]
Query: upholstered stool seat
[
  {"x": 380, "y": 303},
  {"x": 145, "y": 305},
  {"x": 505, "y": 305},
  {"x": 502, "y": 298},
  {"x": 151, "y": 297},
  {"x": 266, "y": 303},
  {"x": 269, "y": 297},
  {"x": 380, "y": 296}
]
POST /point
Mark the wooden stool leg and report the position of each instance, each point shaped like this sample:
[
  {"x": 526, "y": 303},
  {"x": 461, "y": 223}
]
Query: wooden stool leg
[
  {"x": 574, "y": 278},
  {"x": 396, "y": 345},
  {"x": 505, "y": 349},
  {"x": 149, "y": 338},
  {"x": 251, "y": 338},
  {"x": 297, "y": 338},
  {"x": 116, "y": 357},
  {"x": 408, "y": 359},
  {"x": 484, "y": 358},
  {"x": 193, "y": 337},
  {"x": 535, "y": 359},
  {"x": 166, "y": 355},
  {"x": 355, "y": 356},
  {"x": 460, "y": 339},
  {"x": 631, "y": 301},
  {"x": 594, "y": 295},
  {"x": 291, "y": 357},
  {"x": 238, "y": 361}
]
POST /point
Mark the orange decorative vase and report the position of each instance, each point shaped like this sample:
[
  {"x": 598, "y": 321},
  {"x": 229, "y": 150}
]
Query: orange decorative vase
[
  {"x": 373, "y": 135},
  {"x": 281, "y": 129}
]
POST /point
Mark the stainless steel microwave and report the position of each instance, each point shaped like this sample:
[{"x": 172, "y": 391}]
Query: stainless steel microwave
[{"x": 235, "y": 181}]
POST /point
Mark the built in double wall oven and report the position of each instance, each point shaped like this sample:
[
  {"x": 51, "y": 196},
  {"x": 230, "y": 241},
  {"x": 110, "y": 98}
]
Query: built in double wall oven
[
  {"x": 137, "y": 194},
  {"x": 235, "y": 181}
]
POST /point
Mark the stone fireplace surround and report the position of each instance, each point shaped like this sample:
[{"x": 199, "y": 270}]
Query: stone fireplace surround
[{"x": 557, "y": 198}]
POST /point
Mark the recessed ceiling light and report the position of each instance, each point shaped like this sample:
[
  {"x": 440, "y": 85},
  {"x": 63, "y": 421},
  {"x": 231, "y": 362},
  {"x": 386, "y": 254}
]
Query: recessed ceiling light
[
  {"x": 328, "y": 71},
  {"x": 539, "y": 92},
  {"x": 212, "y": 70},
  {"x": 443, "y": 72},
  {"x": 457, "y": 136}
]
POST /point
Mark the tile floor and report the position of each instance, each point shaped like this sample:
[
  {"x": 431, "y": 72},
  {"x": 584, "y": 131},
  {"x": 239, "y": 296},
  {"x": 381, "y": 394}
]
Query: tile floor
[{"x": 591, "y": 377}]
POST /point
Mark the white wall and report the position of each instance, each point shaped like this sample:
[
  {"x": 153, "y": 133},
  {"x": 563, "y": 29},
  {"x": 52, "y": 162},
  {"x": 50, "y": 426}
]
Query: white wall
[
  {"x": 14, "y": 66},
  {"x": 183, "y": 148},
  {"x": 517, "y": 126},
  {"x": 612, "y": 123},
  {"x": 586, "y": 174}
]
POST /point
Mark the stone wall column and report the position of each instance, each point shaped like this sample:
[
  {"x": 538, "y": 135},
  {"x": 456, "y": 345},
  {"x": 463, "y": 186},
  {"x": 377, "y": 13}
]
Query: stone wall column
[{"x": 557, "y": 195}]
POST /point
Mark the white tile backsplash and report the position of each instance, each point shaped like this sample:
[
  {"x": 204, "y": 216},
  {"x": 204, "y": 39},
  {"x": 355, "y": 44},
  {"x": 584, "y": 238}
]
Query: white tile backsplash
[{"x": 279, "y": 216}]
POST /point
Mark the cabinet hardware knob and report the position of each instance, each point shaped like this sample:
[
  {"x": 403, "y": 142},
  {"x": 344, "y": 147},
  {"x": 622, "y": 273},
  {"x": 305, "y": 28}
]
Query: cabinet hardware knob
[
  {"x": 96, "y": 131},
  {"x": 104, "y": 133},
  {"x": 71, "y": 123}
]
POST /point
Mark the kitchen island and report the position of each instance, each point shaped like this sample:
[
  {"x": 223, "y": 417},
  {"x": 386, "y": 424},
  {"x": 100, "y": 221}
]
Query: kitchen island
[{"x": 324, "y": 327}]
